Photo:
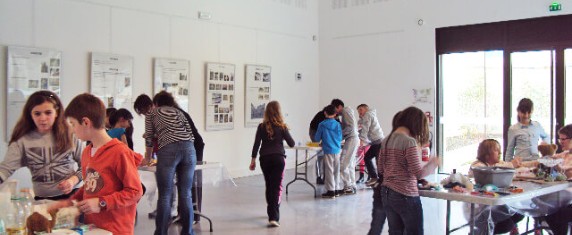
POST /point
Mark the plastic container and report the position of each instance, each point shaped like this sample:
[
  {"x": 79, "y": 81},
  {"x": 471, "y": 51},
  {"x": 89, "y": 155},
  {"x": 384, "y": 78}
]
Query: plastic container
[{"x": 498, "y": 176}]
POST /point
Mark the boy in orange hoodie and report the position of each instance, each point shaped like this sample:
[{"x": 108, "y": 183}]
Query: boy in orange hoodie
[{"x": 112, "y": 185}]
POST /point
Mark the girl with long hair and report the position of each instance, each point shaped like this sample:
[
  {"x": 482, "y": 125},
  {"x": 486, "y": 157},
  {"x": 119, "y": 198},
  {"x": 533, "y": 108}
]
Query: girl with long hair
[
  {"x": 271, "y": 133},
  {"x": 42, "y": 141},
  {"x": 400, "y": 165}
]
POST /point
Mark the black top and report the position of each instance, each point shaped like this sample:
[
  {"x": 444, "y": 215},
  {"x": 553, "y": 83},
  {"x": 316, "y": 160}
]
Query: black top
[
  {"x": 198, "y": 143},
  {"x": 319, "y": 117},
  {"x": 274, "y": 145}
]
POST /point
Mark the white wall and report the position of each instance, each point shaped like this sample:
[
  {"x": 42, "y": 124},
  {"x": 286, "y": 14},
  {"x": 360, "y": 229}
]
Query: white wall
[
  {"x": 374, "y": 51},
  {"x": 270, "y": 32}
]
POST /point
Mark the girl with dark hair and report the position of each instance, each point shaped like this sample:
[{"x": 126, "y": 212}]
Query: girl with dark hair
[
  {"x": 523, "y": 137},
  {"x": 400, "y": 165},
  {"x": 559, "y": 220},
  {"x": 176, "y": 156},
  {"x": 271, "y": 133},
  {"x": 43, "y": 142}
]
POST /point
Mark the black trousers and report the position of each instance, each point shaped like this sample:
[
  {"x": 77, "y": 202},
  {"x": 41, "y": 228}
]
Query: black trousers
[
  {"x": 558, "y": 221},
  {"x": 371, "y": 154},
  {"x": 273, "y": 169}
]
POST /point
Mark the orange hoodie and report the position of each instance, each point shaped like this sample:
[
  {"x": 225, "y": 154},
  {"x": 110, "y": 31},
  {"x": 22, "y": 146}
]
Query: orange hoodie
[{"x": 111, "y": 174}]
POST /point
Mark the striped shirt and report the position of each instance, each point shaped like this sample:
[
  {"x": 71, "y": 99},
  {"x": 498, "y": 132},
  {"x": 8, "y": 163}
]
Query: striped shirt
[
  {"x": 400, "y": 164},
  {"x": 168, "y": 125}
]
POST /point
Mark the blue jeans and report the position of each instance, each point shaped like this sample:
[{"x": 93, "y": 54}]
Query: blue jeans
[
  {"x": 404, "y": 213},
  {"x": 180, "y": 158},
  {"x": 378, "y": 215}
]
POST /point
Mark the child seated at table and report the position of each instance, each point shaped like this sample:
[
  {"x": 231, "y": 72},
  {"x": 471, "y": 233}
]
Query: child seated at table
[{"x": 501, "y": 219}]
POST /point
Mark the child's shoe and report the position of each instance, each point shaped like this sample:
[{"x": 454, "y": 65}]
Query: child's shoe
[
  {"x": 329, "y": 194},
  {"x": 273, "y": 223},
  {"x": 339, "y": 193}
]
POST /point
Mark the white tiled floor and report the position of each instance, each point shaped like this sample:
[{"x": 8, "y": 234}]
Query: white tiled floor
[{"x": 242, "y": 210}]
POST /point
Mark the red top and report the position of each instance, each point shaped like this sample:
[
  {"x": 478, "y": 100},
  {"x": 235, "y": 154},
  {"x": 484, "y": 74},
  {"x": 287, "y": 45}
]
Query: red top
[{"x": 111, "y": 174}]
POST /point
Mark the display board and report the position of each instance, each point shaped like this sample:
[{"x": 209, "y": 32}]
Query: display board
[
  {"x": 111, "y": 79},
  {"x": 257, "y": 93},
  {"x": 29, "y": 70},
  {"x": 219, "y": 96},
  {"x": 172, "y": 75}
]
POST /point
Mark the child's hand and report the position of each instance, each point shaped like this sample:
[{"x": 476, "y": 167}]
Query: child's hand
[
  {"x": 58, "y": 204},
  {"x": 89, "y": 206},
  {"x": 66, "y": 186},
  {"x": 252, "y": 165},
  {"x": 516, "y": 162}
]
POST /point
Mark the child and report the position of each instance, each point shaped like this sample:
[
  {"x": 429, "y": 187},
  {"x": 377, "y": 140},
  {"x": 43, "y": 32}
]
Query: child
[
  {"x": 504, "y": 218},
  {"x": 330, "y": 133},
  {"x": 42, "y": 142},
  {"x": 119, "y": 121},
  {"x": 112, "y": 185},
  {"x": 400, "y": 166},
  {"x": 351, "y": 142},
  {"x": 272, "y": 132},
  {"x": 523, "y": 137}
]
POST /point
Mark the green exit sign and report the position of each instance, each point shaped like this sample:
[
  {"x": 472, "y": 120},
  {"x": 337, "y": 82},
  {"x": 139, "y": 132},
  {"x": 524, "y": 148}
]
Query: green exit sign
[{"x": 555, "y": 6}]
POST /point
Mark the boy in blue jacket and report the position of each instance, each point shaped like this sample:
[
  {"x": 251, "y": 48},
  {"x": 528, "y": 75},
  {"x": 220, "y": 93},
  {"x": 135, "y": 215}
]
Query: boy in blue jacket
[{"x": 330, "y": 133}]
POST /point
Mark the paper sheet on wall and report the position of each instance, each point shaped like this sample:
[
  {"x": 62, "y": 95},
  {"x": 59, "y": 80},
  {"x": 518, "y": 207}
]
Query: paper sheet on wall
[
  {"x": 258, "y": 80},
  {"x": 111, "y": 79},
  {"x": 220, "y": 96},
  {"x": 172, "y": 75},
  {"x": 29, "y": 70}
]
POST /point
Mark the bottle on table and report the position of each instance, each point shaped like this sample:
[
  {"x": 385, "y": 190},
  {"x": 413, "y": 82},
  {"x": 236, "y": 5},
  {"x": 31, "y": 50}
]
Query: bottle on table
[{"x": 16, "y": 217}]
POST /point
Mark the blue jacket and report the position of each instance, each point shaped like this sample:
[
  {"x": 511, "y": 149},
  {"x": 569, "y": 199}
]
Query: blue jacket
[{"x": 330, "y": 133}]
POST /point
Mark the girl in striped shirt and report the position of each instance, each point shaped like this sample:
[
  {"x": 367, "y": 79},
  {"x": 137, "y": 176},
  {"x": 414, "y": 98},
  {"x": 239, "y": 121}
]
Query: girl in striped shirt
[{"x": 400, "y": 165}]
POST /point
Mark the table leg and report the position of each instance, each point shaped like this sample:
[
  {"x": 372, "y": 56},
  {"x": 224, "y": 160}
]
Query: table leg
[
  {"x": 295, "y": 173},
  {"x": 472, "y": 220},
  {"x": 448, "y": 220}
]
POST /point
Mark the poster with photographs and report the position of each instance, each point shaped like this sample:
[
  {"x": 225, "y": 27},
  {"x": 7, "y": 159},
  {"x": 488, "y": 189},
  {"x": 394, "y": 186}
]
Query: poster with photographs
[
  {"x": 172, "y": 75},
  {"x": 258, "y": 80},
  {"x": 220, "y": 96},
  {"x": 111, "y": 79},
  {"x": 29, "y": 70}
]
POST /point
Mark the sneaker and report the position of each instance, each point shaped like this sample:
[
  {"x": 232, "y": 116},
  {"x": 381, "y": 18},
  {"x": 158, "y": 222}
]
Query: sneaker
[
  {"x": 319, "y": 180},
  {"x": 273, "y": 223},
  {"x": 339, "y": 193},
  {"x": 349, "y": 191},
  {"x": 361, "y": 179},
  {"x": 371, "y": 182},
  {"x": 329, "y": 194},
  {"x": 153, "y": 214}
]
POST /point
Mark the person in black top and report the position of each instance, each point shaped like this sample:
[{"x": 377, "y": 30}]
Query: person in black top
[
  {"x": 271, "y": 133},
  {"x": 319, "y": 117}
]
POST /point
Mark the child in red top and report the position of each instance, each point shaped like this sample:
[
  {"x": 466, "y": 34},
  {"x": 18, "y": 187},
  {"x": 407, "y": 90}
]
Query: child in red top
[{"x": 112, "y": 186}]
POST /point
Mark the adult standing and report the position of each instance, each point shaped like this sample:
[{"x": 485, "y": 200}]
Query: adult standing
[
  {"x": 349, "y": 150},
  {"x": 400, "y": 165},
  {"x": 370, "y": 134},
  {"x": 176, "y": 155},
  {"x": 319, "y": 117},
  {"x": 42, "y": 141},
  {"x": 271, "y": 134},
  {"x": 523, "y": 137}
]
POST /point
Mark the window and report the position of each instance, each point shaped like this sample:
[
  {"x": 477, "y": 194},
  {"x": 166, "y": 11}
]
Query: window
[{"x": 471, "y": 105}]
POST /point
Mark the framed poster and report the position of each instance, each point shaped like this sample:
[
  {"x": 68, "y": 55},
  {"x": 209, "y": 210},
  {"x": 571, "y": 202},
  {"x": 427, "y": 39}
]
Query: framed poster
[
  {"x": 220, "y": 96},
  {"x": 111, "y": 79},
  {"x": 258, "y": 79},
  {"x": 29, "y": 70},
  {"x": 172, "y": 75}
]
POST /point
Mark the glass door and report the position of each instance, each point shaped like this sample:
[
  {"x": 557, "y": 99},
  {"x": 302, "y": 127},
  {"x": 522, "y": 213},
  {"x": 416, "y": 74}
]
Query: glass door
[
  {"x": 532, "y": 77},
  {"x": 471, "y": 105}
]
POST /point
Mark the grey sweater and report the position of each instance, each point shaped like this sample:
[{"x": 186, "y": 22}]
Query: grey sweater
[
  {"x": 370, "y": 129},
  {"x": 36, "y": 152}
]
